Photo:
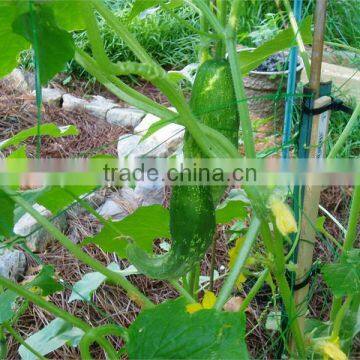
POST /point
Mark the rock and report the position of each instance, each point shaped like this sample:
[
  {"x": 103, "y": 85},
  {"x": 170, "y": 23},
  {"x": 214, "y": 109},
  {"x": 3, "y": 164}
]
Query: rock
[
  {"x": 51, "y": 96},
  {"x": 99, "y": 106},
  {"x": 126, "y": 117},
  {"x": 20, "y": 80},
  {"x": 126, "y": 144},
  {"x": 71, "y": 103},
  {"x": 36, "y": 237},
  {"x": 12, "y": 264},
  {"x": 147, "y": 121},
  {"x": 150, "y": 192},
  {"x": 120, "y": 204},
  {"x": 162, "y": 143}
]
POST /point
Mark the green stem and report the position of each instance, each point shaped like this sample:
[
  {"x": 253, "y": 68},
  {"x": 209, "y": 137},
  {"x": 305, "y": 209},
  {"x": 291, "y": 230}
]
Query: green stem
[
  {"x": 222, "y": 16},
  {"x": 340, "y": 317},
  {"x": 96, "y": 334},
  {"x": 120, "y": 89},
  {"x": 21, "y": 341},
  {"x": 235, "y": 65},
  {"x": 182, "y": 291},
  {"x": 239, "y": 263},
  {"x": 343, "y": 46},
  {"x": 44, "y": 304},
  {"x": 254, "y": 290},
  {"x": 133, "y": 293},
  {"x": 95, "y": 39},
  {"x": 349, "y": 240},
  {"x": 208, "y": 14},
  {"x": 204, "y": 50},
  {"x": 346, "y": 132},
  {"x": 304, "y": 55}
]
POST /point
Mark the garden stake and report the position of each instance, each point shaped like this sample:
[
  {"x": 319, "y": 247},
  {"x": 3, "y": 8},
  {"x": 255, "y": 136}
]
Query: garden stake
[{"x": 318, "y": 134}]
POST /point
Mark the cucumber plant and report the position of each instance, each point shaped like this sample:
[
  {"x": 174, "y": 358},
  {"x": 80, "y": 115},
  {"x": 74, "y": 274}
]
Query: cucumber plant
[{"x": 192, "y": 217}]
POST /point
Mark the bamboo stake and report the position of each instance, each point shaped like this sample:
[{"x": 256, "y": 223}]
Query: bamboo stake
[{"x": 312, "y": 193}]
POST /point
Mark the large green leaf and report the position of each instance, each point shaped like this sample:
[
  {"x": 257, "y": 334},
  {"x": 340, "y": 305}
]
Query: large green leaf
[
  {"x": 234, "y": 207},
  {"x": 251, "y": 59},
  {"x": 169, "y": 332},
  {"x": 55, "y": 45},
  {"x": 7, "y": 305},
  {"x": 56, "y": 334},
  {"x": 69, "y": 14},
  {"x": 344, "y": 277},
  {"x": 45, "y": 129},
  {"x": 10, "y": 43},
  {"x": 7, "y": 208},
  {"x": 143, "y": 226},
  {"x": 56, "y": 198},
  {"x": 90, "y": 282}
]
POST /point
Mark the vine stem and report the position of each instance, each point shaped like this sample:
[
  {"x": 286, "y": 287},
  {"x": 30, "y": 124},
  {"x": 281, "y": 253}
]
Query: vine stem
[
  {"x": 235, "y": 65},
  {"x": 349, "y": 240},
  {"x": 48, "y": 306},
  {"x": 254, "y": 290},
  {"x": 275, "y": 247},
  {"x": 239, "y": 263},
  {"x": 346, "y": 132},
  {"x": 21, "y": 341},
  {"x": 133, "y": 293},
  {"x": 182, "y": 291},
  {"x": 340, "y": 317}
]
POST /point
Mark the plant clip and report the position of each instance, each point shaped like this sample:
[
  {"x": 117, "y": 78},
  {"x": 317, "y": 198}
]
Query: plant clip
[
  {"x": 315, "y": 269},
  {"x": 335, "y": 105}
]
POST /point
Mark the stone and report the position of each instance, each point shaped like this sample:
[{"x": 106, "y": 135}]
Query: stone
[
  {"x": 20, "y": 80},
  {"x": 150, "y": 192},
  {"x": 12, "y": 264},
  {"x": 126, "y": 144},
  {"x": 51, "y": 96},
  {"x": 127, "y": 117},
  {"x": 146, "y": 122},
  {"x": 37, "y": 237},
  {"x": 99, "y": 106},
  {"x": 72, "y": 103},
  {"x": 120, "y": 204}
]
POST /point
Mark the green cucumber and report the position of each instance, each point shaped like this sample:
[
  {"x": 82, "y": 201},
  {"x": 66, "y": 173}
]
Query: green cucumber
[
  {"x": 192, "y": 227},
  {"x": 192, "y": 214},
  {"x": 213, "y": 101}
]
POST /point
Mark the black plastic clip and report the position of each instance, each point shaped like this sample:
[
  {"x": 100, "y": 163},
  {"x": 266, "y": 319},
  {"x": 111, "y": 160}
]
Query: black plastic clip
[{"x": 335, "y": 105}]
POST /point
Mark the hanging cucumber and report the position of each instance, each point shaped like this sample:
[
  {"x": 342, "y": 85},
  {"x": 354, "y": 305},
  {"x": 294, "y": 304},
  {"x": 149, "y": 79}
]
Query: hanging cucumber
[
  {"x": 192, "y": 227},
  {"x": 192, "y": 215},
  {"x": 213, "y": 101}
]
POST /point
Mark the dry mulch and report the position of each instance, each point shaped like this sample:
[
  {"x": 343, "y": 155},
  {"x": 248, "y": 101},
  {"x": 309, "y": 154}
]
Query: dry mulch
[{"x": 18, "y": 112}]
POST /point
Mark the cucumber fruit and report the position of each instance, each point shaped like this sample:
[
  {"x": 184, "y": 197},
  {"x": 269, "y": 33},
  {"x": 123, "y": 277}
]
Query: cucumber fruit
[{"x": 192, "y": 214}]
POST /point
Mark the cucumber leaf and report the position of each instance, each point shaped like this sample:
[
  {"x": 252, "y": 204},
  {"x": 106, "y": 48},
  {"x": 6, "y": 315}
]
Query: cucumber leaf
[
  {"x": 168, "y": 331},
  {"x": 56, "y": 46},
  {"x": 7, "y": 209},
  {"x": 45, "y": 129},
  {"x": 143, "y": 226},
  {"x": 10, "y": 43},
  {"x": 343, "y": 277}
]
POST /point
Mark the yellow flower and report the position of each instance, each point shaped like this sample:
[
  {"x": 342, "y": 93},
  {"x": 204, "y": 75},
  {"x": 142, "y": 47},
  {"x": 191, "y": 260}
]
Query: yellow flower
[
  {"x": 285, "y": 220},
  {"x": 330, "y": 349},
  {"x": 208, "y": 302},
  {"x": 232, "y": 255}
]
